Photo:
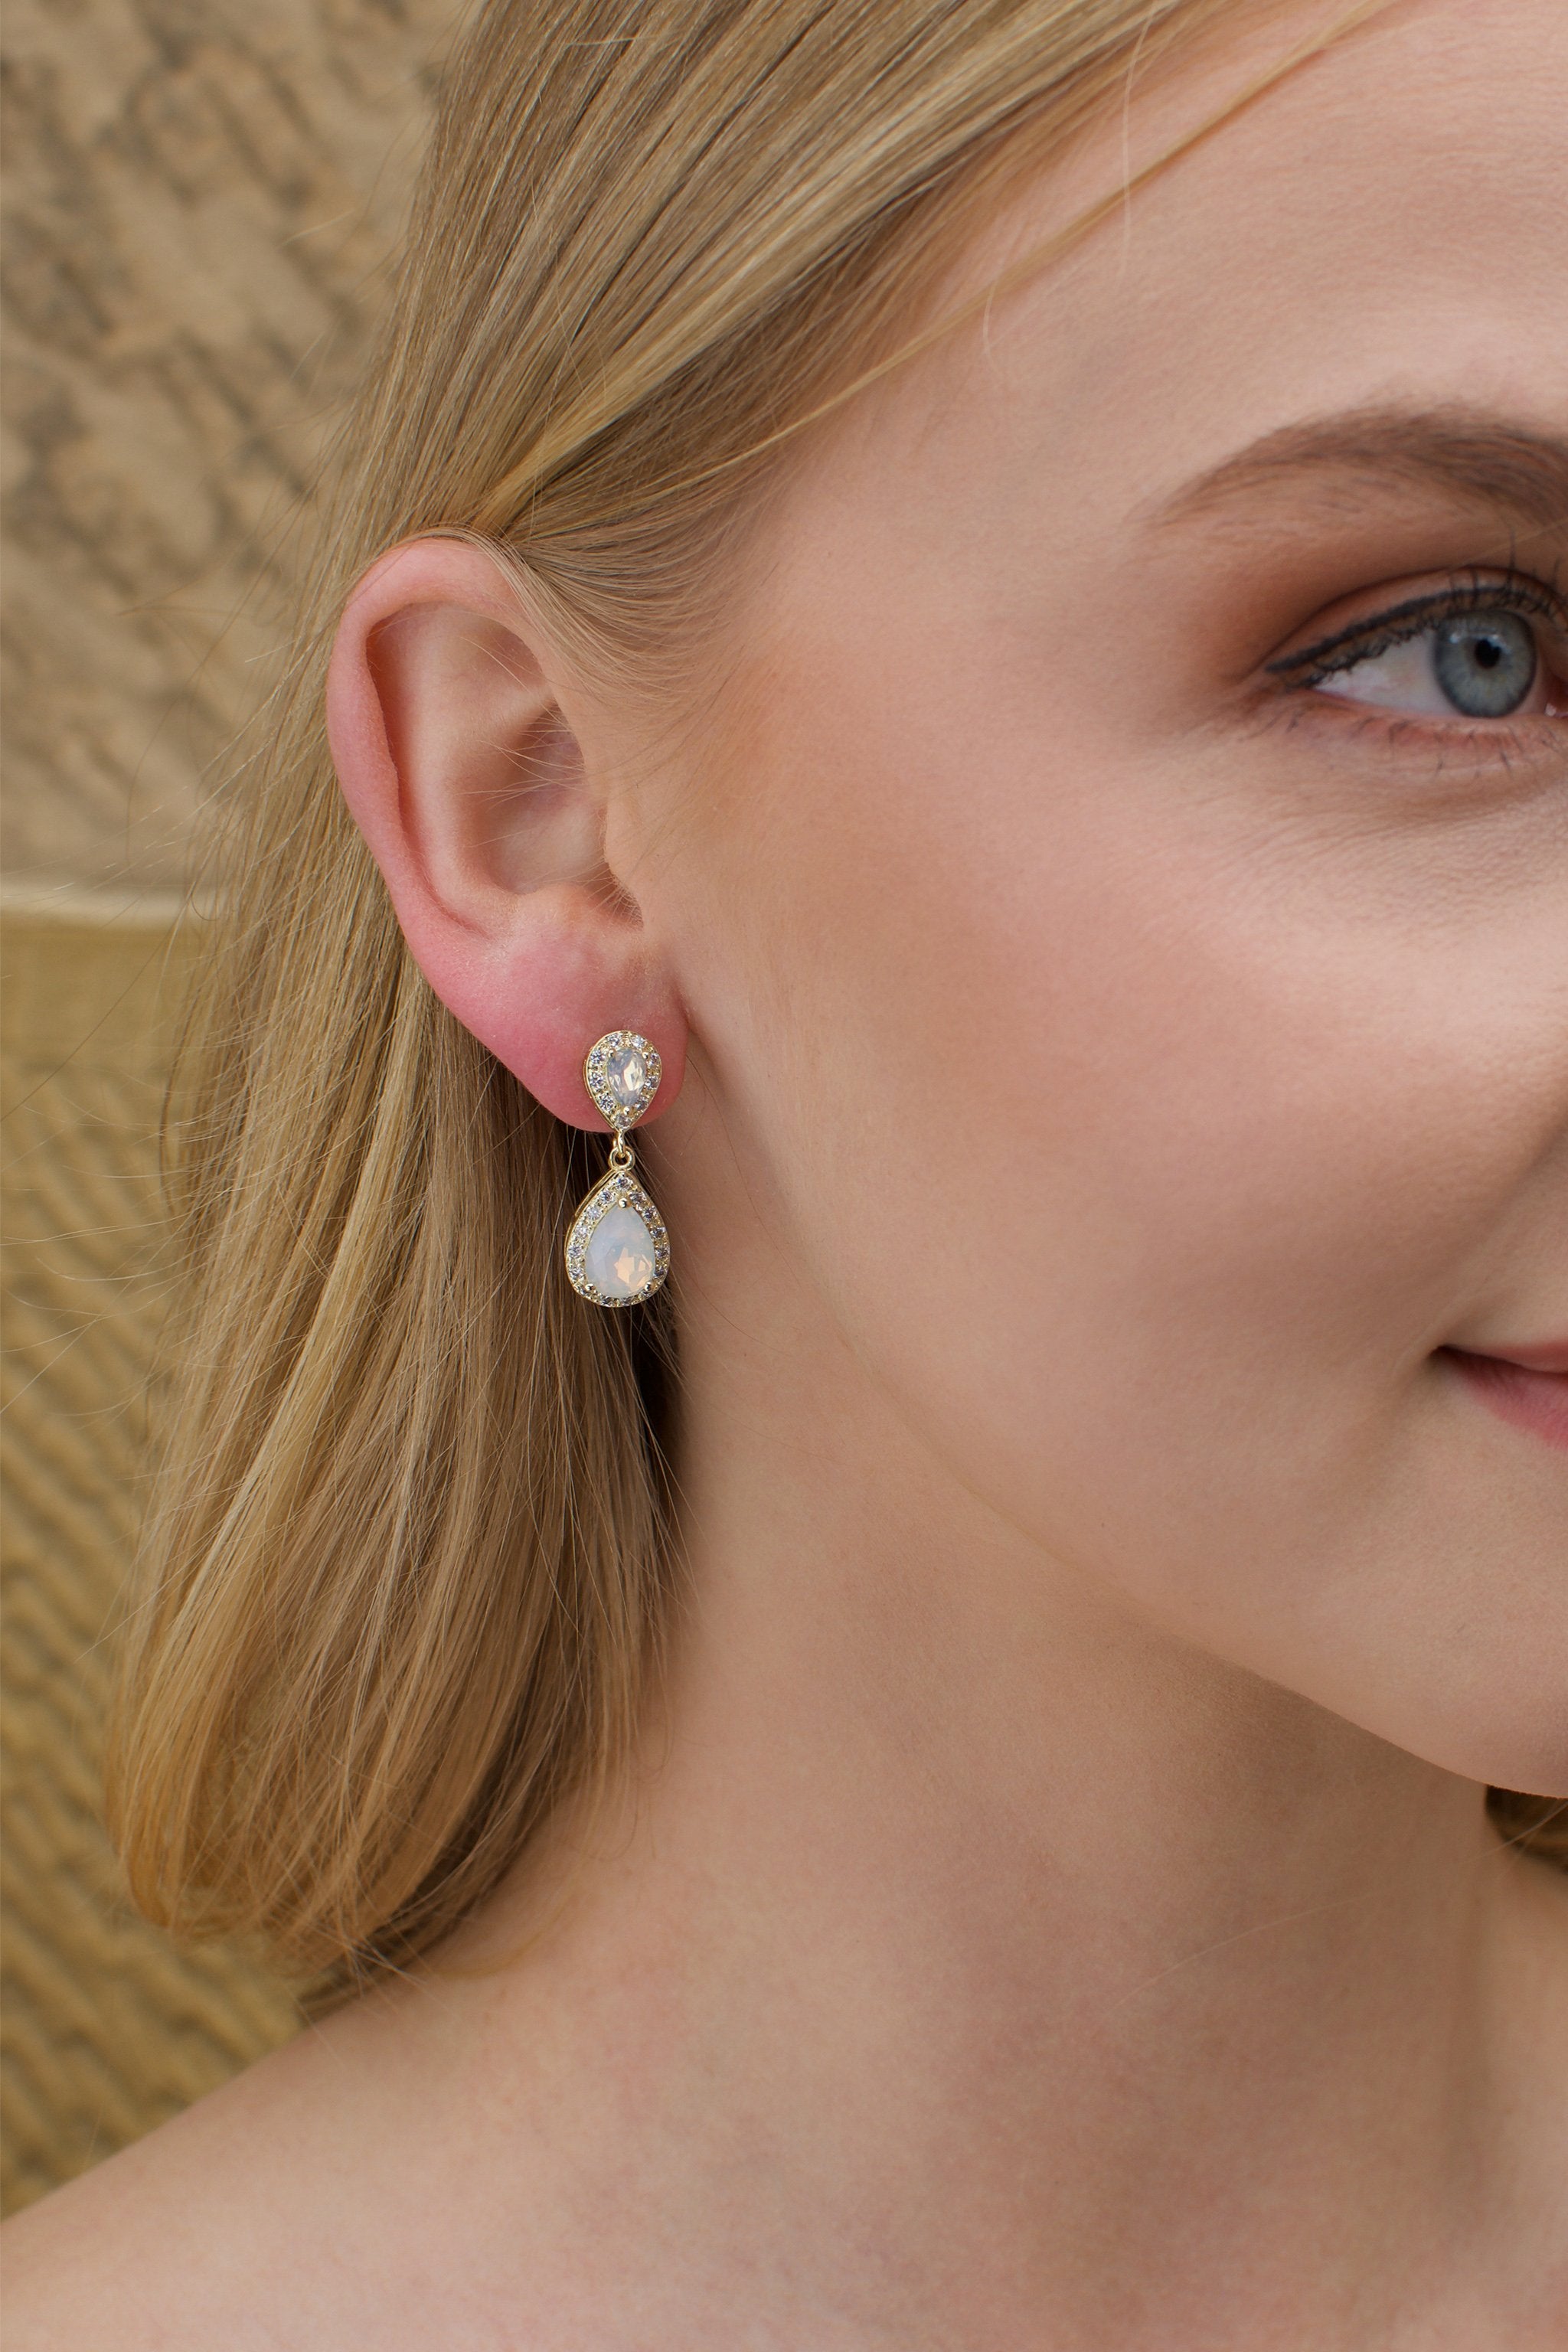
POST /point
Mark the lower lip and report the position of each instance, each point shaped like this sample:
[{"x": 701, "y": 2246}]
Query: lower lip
[{"x": 1537, "y": 1402}]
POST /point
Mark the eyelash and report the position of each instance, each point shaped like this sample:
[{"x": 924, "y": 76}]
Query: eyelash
[{"x": 1367, "y": 640}]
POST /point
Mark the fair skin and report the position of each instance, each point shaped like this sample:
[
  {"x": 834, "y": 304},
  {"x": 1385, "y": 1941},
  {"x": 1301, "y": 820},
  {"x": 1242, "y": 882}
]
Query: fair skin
[{"x": 1116, "y": 1090}]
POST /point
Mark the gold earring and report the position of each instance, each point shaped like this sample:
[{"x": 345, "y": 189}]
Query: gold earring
[{"x": 618, "y": 1251}]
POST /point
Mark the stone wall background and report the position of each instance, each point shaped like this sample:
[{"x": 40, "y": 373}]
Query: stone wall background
[{"x": 202, "y": 199}]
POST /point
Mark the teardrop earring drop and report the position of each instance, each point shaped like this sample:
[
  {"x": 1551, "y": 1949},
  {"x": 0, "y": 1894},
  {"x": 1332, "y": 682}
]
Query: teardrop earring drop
[{"x": 618, "y": 1251}]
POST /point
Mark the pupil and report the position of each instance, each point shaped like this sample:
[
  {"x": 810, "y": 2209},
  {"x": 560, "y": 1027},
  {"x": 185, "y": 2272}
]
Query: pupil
[{"x": 1484, "y": 662}]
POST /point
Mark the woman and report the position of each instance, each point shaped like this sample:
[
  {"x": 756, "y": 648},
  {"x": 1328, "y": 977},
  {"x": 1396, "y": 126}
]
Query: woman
[{"x": 978, "y": 593}]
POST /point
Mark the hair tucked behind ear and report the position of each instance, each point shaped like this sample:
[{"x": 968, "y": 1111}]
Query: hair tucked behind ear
[{"x": 404, "y": 1565}]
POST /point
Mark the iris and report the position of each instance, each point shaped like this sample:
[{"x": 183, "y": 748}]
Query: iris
[{"x": 1484, "y": 662}]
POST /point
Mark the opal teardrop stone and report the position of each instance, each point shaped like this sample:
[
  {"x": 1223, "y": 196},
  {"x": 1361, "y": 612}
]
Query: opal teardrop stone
[
  {"x": 618, "y": 1251},
  {"x": 621, "y": 1259}
]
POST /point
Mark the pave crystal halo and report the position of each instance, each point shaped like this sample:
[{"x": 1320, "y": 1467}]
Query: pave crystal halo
[
  {"x": 622, "y": 1074},
  {"x": 618, "y": 1251}
]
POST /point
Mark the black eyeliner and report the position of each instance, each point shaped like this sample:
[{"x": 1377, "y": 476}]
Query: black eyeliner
[{"x": 1383, "y": 631}]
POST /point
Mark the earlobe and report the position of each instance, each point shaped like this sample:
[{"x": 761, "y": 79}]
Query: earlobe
[{"x": 447, "y": 720}]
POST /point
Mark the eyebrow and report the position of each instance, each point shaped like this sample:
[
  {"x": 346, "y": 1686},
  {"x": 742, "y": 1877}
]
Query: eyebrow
[{"x": 1485, "y": 460}]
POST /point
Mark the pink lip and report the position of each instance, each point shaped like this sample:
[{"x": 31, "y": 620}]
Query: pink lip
[
  {"x": 1552, "y": 1357},
  {"x": 1528, "y": 1386}
]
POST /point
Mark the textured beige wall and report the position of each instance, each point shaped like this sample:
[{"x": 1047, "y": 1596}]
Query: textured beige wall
[
  {"x": 202, "y": 195},
  {"x": 107, "y": 2029}
]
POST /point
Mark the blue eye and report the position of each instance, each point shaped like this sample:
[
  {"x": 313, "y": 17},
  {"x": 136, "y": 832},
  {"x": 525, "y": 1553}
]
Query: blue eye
[
  {"x": 1485, "y": 663},
  {"x": 1439, "y": 658}
]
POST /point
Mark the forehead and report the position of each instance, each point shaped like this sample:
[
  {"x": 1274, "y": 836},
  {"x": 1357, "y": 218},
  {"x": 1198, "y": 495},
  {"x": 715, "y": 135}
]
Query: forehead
[{"x": 1381, "y": 226}]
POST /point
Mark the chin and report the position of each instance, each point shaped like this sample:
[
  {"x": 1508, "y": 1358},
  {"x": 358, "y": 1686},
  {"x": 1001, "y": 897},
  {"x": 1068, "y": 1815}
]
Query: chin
[
  {"x": 1489, "y": 1716},
  {"x": 1550, "y": 1782},
  {"x": 1520, "y": 1747}
]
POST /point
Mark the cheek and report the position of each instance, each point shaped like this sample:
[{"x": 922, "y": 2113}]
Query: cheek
[{"x": 1145, "y": 1179}]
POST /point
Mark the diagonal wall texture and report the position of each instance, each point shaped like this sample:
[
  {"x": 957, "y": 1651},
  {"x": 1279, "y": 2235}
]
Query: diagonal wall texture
[
  {"x": 201, "y": 198},
  {"x": 106, "y": 2028}
]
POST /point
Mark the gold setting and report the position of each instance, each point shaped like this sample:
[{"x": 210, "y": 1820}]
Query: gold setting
[
  {"x": 621, "y": 1072},
  {"x": 624, "y": 1047}
]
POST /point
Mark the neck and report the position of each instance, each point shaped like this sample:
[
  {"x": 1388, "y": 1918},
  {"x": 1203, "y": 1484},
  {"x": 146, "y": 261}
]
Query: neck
[{"x": 959, "y": 1916}]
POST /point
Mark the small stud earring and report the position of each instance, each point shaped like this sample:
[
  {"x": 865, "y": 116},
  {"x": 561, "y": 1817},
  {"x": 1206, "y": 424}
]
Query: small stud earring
[{"x": 618, "y": 1251}]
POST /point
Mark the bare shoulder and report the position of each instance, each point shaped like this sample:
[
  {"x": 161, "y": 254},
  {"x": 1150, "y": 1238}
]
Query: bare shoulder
[
  {"x": 326, "y": 2198},
  {"x": 187, "y": 2238}
]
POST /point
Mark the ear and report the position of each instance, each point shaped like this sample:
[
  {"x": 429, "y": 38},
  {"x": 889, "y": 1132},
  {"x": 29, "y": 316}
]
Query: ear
[{"x": 448, "y": 716}]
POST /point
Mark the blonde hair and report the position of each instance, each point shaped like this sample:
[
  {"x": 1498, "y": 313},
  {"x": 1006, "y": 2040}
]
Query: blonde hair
[{"x": 406, "y": 1553}]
